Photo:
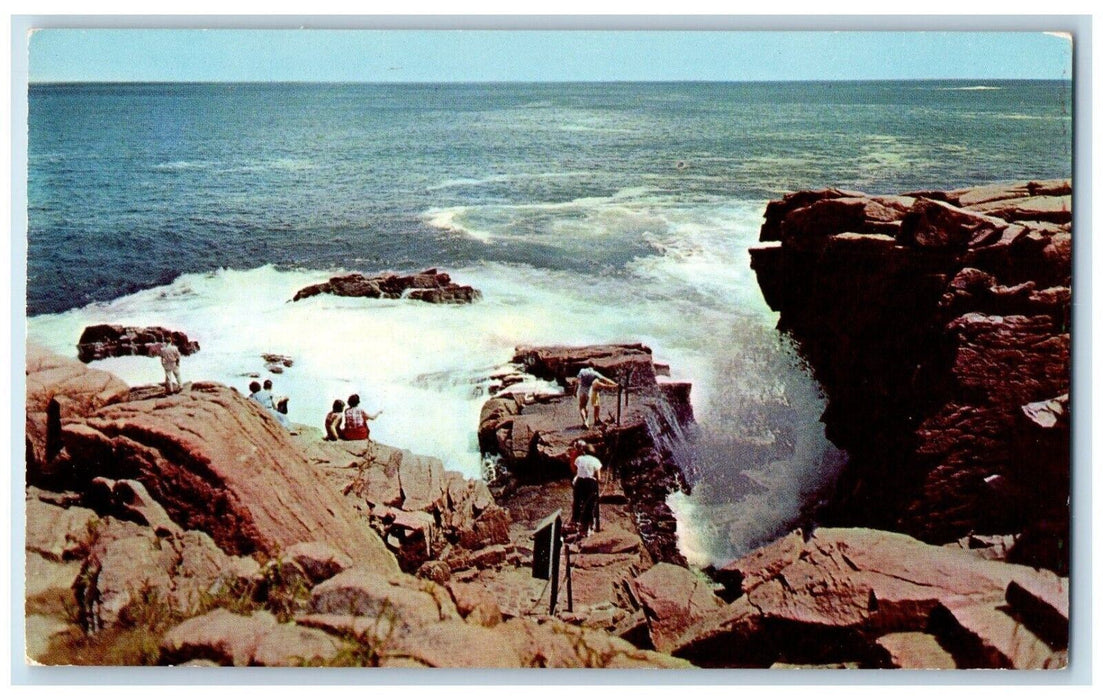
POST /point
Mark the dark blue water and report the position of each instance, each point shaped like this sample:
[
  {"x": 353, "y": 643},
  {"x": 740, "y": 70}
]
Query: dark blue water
[{"x": 132, "y": 185}]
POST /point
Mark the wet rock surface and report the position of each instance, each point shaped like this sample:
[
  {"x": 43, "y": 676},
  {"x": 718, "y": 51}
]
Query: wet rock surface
[
  {"x": 429, "y": 285},
  {"x": 112, "y": 340},
  {"x": 938, "y": 324},
  {"x": 639, "y": 438}
]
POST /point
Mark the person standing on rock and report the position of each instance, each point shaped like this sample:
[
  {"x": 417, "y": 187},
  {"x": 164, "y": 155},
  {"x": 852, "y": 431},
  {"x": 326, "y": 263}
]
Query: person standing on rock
[
  {"x": 590, "y": 382},
  {"x": 584, "y": 509},
  {"x": 170, "y": 362},
  {"x": 356, "y": 421}
]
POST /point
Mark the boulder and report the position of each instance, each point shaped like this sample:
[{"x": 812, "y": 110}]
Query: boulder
[
  {"x": 318, "y": 560},
  {"x": 230, "y": 639},
  {"x": 673, "y": 599},
  {"x": 219, "y": 463},
  {"x": 59, "y": 390},
  {"x": 429, "y": 285},
  {"x": 933, "y": 224},
  {"x": 421, "y": 480},
  {"x": 984, "y": 636},
  {"x": 475, "y": 603},
  {"x": 131, "y": 565},
  {"x": 128, "y": 499},
  {"x": 829, "y": 595},
  {"x": 399, "y": 601},
  {"x": 915, "y": 650},
  {"x": 58, "y": 533},
  {"x": 554, "y": 644},
  {"x": 111, "y": 340},
  {"x": 441, "y": 644},
  {"x": 1054, "y": 209}
]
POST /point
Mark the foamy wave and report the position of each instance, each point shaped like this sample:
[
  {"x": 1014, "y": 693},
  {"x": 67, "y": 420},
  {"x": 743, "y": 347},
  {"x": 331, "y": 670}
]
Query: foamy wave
[
  {"x": 969, "y": 88},
  {"x": 496, "y": 179},
  {"x": 427, "y": 367},
  {"x": 420, "y": 363},
  {"x": 446, "y": 220}
]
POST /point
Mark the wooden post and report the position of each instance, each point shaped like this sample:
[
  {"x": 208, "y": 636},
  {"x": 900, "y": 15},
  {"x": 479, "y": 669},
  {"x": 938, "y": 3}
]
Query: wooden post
[
  {"x": 570, "y": 588},
  {"x": 553, "y": 570}
]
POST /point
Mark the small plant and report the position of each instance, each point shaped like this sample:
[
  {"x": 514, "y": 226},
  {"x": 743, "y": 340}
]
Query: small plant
[
  {"x": 283, "y": 594},
  {"x": 238, "y": 596}
]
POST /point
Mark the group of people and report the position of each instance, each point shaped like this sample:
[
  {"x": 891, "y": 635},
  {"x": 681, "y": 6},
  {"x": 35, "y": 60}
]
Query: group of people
[
  {"x": 341, "y": 423},
  {"x": 263, "y": 396},
  {"x": 349, "y": 423}
]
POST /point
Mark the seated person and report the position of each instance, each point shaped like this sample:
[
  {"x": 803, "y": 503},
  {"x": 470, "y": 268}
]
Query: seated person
[
  {"x": 333, "y": 421},
  {"x": 356, "y": 421}
]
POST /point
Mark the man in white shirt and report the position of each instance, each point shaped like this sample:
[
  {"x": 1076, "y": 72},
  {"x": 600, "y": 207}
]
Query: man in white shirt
[
  {"x": 584, "y": 509},
  {"x": 170, "y": 361}
]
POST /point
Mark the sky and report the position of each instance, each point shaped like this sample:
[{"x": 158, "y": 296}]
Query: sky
[{"x": 79, "y": 55}]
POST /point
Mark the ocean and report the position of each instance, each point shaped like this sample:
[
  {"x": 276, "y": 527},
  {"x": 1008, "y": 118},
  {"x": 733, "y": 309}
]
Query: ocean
[{"x": 585, "y": 213}]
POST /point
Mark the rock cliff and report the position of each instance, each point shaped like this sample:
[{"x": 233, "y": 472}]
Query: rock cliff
[{"x": 938, "y": 324}]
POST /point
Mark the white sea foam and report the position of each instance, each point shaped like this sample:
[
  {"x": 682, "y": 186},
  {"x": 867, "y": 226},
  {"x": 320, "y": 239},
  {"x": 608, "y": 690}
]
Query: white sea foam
[
  {"x": 449, "y": 219},
  {"x": 496, "y": 179},
  {"x": 424, "y": 365},
  {"x": 694, "y": 301},
  {"x": 969, "y": 88}
]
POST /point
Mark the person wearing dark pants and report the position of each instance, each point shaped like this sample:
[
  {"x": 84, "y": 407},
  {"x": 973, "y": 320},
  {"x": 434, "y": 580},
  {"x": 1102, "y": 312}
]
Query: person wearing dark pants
[{"x": 584, "y": 509}]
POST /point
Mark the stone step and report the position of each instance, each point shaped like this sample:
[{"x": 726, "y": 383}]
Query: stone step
[
  {"x": 987, "y": 635},
  {"x": 915, "y": 650},
  {"x": 1044, "y": 609}
]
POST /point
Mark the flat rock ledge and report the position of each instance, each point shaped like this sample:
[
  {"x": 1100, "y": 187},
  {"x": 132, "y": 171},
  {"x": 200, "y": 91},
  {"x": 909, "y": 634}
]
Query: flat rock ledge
[
  {"x": 640, "y": 442},
  {"x": 428, "y": 285}
]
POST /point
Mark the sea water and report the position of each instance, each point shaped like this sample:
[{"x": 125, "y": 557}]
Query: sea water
[{"x": 585, "y": 213}]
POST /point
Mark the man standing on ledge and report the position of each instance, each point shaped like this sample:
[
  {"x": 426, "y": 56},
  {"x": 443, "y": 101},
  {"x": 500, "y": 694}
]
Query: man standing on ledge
[
  {"x": 170, "y": 361},
  {"x": 590, "y": 382}
]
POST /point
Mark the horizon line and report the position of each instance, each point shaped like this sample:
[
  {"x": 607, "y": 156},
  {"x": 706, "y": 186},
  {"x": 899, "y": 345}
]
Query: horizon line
[{"x": 537, "y": 82}]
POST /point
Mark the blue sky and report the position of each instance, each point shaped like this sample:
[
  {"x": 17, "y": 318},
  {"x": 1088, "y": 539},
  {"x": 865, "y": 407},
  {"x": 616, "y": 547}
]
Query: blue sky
[{"x": 501, "y": 55}]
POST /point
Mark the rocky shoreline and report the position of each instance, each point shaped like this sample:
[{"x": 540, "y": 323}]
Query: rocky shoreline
[{"x": 193, "y": 529}]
